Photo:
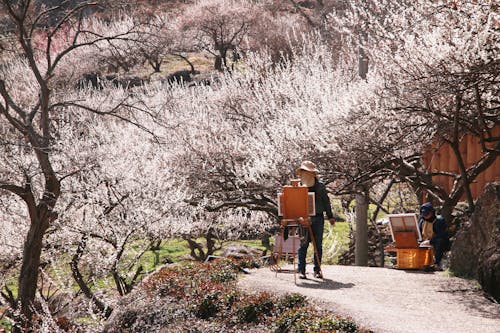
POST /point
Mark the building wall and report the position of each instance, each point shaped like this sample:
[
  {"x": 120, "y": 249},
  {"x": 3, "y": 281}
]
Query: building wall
[{"x": 442, "y": 158}]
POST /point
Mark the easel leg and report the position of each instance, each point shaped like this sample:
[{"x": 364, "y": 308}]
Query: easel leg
[
  {"x": 280, "y": 249},
  {"x": 294, "y": 247}
]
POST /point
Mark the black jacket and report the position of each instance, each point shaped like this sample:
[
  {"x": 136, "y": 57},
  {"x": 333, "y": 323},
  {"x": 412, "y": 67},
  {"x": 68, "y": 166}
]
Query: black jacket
[
  {"x": 439, "y": 230},
  {"x": 322, "y": 202}
]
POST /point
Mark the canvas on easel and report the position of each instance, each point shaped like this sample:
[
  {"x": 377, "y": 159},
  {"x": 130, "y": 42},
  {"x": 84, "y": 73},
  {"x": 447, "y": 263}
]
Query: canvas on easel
[{"x": 311, "y": 206}]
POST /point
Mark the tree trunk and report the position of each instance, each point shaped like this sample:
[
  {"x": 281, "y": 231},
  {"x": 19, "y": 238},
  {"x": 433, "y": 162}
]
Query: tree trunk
[
  {"x": 196, "y": 250},
  {"x": 189, "y": 62},
  {"x": 361, "y": 240},
  {"x": 218, "y": 63},
  {"x": 447, "y": 209},
  {"x": 265, "y": 241},
  {"x": 463, "y": 173},
  {"x": 77, "y": 275},
  {"x": 374, "y": 221},
  {"x": 210, "y": 243},
  {"x": 28, "y": 276},
  {"x": 41, "y": 216},
  {"x": 362, "y": 58},
  {"x": 455, "y": 145},
  {"x": 223, "y": 55},
  {"x": 157, "y": 67},
  {"x": 362, "y": 200}
]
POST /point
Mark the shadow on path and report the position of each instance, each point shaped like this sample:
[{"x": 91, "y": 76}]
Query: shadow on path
[
  {"x": 326, "y": 284},
  {"x": 412, "y": 271},
  {"x": 473, "y": 298}
]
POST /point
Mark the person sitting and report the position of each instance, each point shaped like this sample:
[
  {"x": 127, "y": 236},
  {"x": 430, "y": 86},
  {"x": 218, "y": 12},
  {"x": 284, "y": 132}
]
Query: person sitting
[{"x": 433, "y": 229}]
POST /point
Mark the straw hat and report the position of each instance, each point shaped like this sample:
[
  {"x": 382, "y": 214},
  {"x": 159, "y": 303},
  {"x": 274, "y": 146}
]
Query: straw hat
[{"x": 307, "y": 166}]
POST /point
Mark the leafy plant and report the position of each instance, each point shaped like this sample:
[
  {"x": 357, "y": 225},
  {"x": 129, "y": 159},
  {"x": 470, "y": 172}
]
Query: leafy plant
[
  {"x": 209, "y": 306},
  {"x": 290, "y": 301},
  {"x": 251, "y": 309},
  {"x": 335, "y": 323},
  {"x": 293, "y": 320}
]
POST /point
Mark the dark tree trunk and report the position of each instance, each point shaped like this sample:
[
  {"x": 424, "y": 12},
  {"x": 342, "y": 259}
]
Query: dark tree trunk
[
  {"x": 374, "y": 221},
  {"x": 155, "y": 64},
  {"x": 210, "y": 243},
  {"x": 265, "y": 241},
  {"x": 28, "y": 276},
  {"x": 196, "y": 250},
  {"x": 189, "y": 62},
  {"x": 218, "y": 63},
  {"x": 223, "y": 55},
  {"x": 40, "y": 217}
]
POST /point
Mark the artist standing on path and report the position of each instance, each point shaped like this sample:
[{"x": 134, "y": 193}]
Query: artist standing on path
[{"x": 308, "y": 177}]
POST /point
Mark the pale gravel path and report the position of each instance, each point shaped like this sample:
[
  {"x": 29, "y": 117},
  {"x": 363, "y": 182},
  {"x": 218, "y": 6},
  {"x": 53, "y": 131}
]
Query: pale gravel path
[{"x": 389, "y": 300}]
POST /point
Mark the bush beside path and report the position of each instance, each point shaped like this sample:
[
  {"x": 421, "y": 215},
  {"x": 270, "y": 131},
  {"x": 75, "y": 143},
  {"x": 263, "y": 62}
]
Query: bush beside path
[{"x": 388, "y": 300}]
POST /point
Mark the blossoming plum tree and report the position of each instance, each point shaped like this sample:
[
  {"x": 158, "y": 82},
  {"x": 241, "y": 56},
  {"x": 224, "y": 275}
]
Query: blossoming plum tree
[
  {"x": 439, "y": 63},
  {"x": 89, "y": 174},
  {"x": 34, "y": 113},
  {"x": 219, "y": 26}
]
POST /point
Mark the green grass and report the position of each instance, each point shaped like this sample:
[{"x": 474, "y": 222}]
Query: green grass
[
  {"x": 253, "y": 243},
  {"x": 200, "y": 62},
  {"x": 171, "y": 249},
  {"x": 171, "y": 64},
  {"x": 335, "y": 241},
  {"x": 257, "y": 243},
  {"x": 5, "y": 324}
]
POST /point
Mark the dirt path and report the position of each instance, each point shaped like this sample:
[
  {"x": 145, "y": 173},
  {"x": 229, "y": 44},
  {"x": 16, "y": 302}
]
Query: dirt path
[{"x": 390, "y": 301}]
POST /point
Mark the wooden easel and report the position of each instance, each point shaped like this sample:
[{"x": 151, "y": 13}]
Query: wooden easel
[{"x": 295, "y": 205}]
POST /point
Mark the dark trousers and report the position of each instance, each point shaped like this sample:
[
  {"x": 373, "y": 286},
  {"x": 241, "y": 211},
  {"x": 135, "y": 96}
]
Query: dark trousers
[
  {"x": 441, "y": 245},
  {"x": 317, "y": 227}
]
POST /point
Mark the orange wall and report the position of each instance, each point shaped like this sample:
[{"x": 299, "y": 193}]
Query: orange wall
[{"x": 442, "y": 158}]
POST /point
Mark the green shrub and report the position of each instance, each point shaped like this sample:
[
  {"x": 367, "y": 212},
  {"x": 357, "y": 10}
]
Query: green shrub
[
  {"x": 335, "y": 323},
  {"x": 223, "y": 275},
  {"x": 290, "y": 301},
  {"x": 230, "y": 298},
  {"x": 180, "y": 281},
  {"x": 252, "y": 308},
  {"x": 128, "y": 319},
  {"x": 294, "y": 320},
  {"x": 168, "y": 282},
  {"x": 209, "y": 306},
  {"x": 248, "y": 313},
  {"x": 249, "y": 263}
]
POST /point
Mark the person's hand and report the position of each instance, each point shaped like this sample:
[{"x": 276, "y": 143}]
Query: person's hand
[{"x": 332, "y": 221}]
